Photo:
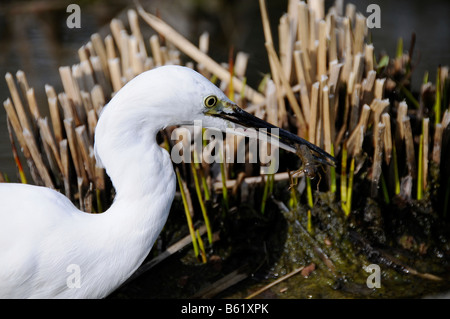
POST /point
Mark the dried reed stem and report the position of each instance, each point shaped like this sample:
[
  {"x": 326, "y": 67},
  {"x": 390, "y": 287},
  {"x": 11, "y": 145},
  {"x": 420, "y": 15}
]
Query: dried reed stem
[{"x": 193, "y": 52}]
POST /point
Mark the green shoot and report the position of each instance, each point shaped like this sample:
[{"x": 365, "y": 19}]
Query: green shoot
[
  {"x": 293, "y": 200},
  {"x": 399, "y": 51},
  {"x": 332, "y": 173},
  {"x": 384, "y": 189},
  {"x": 186, "y": 210},
  {"x": 224, "y": 182},
  {"x": 202, "y": 177},
  {"x": 425, "y": 78},
  {"x": 384, "y": 62},
  {"x": 202, "y": 204},
  {"x": 309, "y": 223},
  {"x": 310, "y": 204},
  {"x": 409, "y": 96},
  {"x": 263, "y": 83},
  {"x": 347, "y": 206},
  {"x": 396, "y": 177},
  {"x": 309, "y": 192},
  {"x": 202, "y": 247},
  {"x": 213, "y": 79},
  {"x": 344, "y": 174},
  {"x": 437, "y": 104},
  {"x": 272, "y": 181},
  {"x": 268, "y": 186}
]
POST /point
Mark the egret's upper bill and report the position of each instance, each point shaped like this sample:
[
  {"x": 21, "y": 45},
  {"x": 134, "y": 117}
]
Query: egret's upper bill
[{"x": 233, "y": 113}]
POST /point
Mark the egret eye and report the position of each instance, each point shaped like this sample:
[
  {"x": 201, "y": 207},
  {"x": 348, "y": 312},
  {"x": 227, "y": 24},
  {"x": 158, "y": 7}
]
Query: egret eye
[{"x": 210, "y": 101}]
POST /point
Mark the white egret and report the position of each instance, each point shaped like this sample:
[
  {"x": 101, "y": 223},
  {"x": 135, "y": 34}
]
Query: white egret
[{"x": 50, "y": 249}]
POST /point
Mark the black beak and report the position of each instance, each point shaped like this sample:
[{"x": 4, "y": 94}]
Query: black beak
[{"x": 239, "y": 116}]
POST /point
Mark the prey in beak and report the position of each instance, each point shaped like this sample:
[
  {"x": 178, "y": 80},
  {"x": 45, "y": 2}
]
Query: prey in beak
[{"x": 229, "y": 111}]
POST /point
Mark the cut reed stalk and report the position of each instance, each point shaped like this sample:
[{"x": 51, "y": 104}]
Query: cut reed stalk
[
  {"x": 23, "y": 178},
  {"x": 65, "y": 163},
  {"x": 116, "y": 78},
  {"x": 410, "y": 157},
  {"x": 32, "y": 104},
  {"x": 17, "y": 102},
  {"x": 15, "y": 123},
  {"x": 48, "y": 139},
  {"x": 55, "y": 118},
  {"x": 314, "y": 112},
  {"x": 37, "y": 159},
  {"x": 420, "y": 170},
  {"x": 288, "y": 90},
  {"x": 387, "y": 141},
  {"x": 76, "y": 158},
  {"x": 377, "y": 160}
]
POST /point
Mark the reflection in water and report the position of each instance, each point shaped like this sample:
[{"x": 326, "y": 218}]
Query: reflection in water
[{"x": 34, "y": 37}]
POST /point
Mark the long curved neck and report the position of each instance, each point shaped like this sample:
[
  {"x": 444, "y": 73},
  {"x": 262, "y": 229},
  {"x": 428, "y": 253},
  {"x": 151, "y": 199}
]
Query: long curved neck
[
  {"x": 144, "y": 182},
  {"x": 145, "y": 186}
]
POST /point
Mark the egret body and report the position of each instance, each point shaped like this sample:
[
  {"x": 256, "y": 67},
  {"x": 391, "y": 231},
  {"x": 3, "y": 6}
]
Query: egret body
[{"x": 50, "y": 249}]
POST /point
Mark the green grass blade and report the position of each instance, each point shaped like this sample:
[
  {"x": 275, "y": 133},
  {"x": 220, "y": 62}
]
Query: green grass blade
[
  {"x": 399, "y": 51},
  {"x": 224, "y": 182},
  {"x": 202, "y": 204},
  {"x": 396, "y": 177},
  {"x": 350, "y": 188},
  {"x": 309, "y": 192},
  {"x": 437, "y": 104},
  {"x": 332, "y": 173},
  {"x": 187, "y": 212},
  {"x": 309, "y": 227},
  {"x": 202, "y": 247},
  {"x": 265, "y": 193},
  {"x": 344, "y": 176}
]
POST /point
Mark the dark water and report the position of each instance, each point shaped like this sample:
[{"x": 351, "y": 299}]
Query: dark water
[{"x": 34, "y": 37}]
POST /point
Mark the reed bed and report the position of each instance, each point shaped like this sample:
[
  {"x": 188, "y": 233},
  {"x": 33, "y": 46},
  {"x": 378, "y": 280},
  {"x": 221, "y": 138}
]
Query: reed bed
[{"x": 326, "y": 84}]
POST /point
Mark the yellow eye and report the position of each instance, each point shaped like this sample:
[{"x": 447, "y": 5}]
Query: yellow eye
[{"x": 210, "y": 101}]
